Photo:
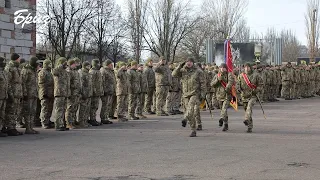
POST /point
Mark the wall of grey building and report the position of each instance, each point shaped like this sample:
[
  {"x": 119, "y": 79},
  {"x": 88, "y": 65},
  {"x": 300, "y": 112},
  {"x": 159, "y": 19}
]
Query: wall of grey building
[{"x": 14, "y": 38}]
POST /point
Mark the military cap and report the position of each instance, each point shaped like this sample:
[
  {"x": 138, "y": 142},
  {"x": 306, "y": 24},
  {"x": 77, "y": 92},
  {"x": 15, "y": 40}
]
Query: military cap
[
  {"x": 140, "y": 65},
  {"x": 61, "y": 60},
  {"x": 223, "y": 65},
  {"x": 107, "y": 62},
  {"x": 2, "y": 59},
  {"x": 86, "y": 63},
  {"x": 248, "y": 64},
  {"x": 77, "y": 60},
  {"x": 95, "y": 62},
  {"x": 149, "y": 60},
  {"x": 134, "y": 63},
  {"x": 190, "y": 59},
  {"x": 14, "y": 56},
  {"x": 120, "y": 64},
  {"x": 33, "y": 61},
  {"x": 71, "y": 61},
  {"x": 22, "y": 60}
]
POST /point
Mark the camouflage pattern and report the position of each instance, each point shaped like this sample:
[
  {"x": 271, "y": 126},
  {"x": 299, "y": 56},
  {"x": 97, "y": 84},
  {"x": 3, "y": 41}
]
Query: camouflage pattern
[
  {"x": 14, "y": 93},
  {"x": 163, "y": 82},
  {"x": 121, "y": 91},
  {"x": 223, "y": 94},
  {"x": 45, "y": 92},
  {"x": 97, "y": 89},
  {"x": 109, "y": 88},
  {"x": 3, "y": 95},
  {"x": 143, "y": 92},
  {"x": 287, "y": 77},
  {"x": 148, "y": 71},
  {"x": 193, "y": 89},
  {"x": 73, "y": 100},
  {"x": 85, "y": 102},
  {"x": 30, "y": 94},
  {"x": 133, "y": 90}
]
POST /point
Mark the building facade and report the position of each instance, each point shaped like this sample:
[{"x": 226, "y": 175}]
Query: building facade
[{"x": 14, "y": 38}]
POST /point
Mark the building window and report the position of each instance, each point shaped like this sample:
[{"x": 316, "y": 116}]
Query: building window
[{"x": 7, "y": 4}]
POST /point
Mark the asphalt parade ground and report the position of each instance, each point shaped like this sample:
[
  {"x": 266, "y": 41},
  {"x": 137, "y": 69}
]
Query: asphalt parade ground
[{"x": 285, "y": 146}]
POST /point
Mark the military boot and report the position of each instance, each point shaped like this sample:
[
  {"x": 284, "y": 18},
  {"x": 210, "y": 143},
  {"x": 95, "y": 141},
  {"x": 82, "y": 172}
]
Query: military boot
[
  {"x": 245, "y": 122},
  {"x": 249, "y": 130},
  {"x": 133, "y": 118},
  {"x": 106, "y": 122},
  {"x": 178, "y": 112},
  {"x": 171, "y": 113},
  {"x": 13, "y": 132},
  {"x": 225, "y": 128},
  {"x": 199, "y": 128},
  {"x": 220, "y": 122},
  {"x": 141, "y": 116},
  {"x": 93, "y": 123},
  {"x": 28, "y": 129},
  {"x": 184, "y": 123},
  {"x": 70, "y": 125},
  {"x": 193, "y": 134},
  {"x": 3, "y": 134}
]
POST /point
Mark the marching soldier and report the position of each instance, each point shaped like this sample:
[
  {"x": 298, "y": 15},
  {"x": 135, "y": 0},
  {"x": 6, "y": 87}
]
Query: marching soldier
[
  {"x": 109, "y": 87},
  {"x": 97, "y": 91},
  {"x": 194, "y": 89},
  {"x": 30, "y": 94},
  {"x": 3, "y": 95},
  {"x": 133, "y": 90},
  {"x": 148, "y": 71},
  {"x": 163, "y": 82},
  {"x": 223, "y": 81},
  {"x": 61, "y": 92},
  {"x": 249, "y": 84},
  {"x": 122, "y": 91},
  {"x": 143, "y": 92}
]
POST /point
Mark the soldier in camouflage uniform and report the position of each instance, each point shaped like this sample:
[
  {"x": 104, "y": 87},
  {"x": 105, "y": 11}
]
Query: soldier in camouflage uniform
[
  {"x": 214, "y": 100},
  {"x": 273, "y": 85},
  {"x": 223, "y": 81},
  {"x": 312, "y": 79},
  {"x": 148, "y": 71},
  {"x": 75, "y": 94},
  {"x": 86, "y": 94},
  {"x": 97, "y": 91},
  {"x": 133, "y": 90},
  {"x": 278, "y": 83},
  {"x": 20, "y": 120},
  {"x": 163, "y": 82},
  {"x": 194, "y": 90},
  {"x": 45, "y": 93},
  {"x": 61, "y": 92},
  {"x": 173, "y": 94},
  {"x": 14, "y": 95},
  {"x": 249, "y": 83},
  {"x": 287, "y": 77},
  {"x": 30, "y": 94},
  {"x": 3, "y": 94},
  {"x": 121, "y": 91},
  {"x": 295, "y": 75},
  {"x": 143, "y": 92},
  {"x": 109, "y": 89}
]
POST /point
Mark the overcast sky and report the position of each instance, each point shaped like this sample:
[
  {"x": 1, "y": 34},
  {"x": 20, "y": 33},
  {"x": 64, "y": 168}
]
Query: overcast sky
[{"x": 280, "y": 14}]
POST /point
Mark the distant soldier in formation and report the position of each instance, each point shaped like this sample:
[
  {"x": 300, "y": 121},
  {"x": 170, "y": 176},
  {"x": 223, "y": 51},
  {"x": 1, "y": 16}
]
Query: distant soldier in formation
[
  {"x": 97, "y": 91},
  {"x": 223, "y": 81},
  {"x": 173, "y": 101},
  {"x": 143, "y": 92},
  {"x": 287, "y": 77},
  {"x": 133, "y": 90},
  {"x": 122, "y": 91},
  {"x": 3, "y": 95},
  {"x": 151, "y": 86}
]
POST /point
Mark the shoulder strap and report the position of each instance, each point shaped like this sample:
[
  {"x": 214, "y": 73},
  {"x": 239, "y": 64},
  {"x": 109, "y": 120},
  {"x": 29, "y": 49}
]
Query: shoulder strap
[
  {"x": 246, "y": 79},
  {"x": 224, "y": 84}
]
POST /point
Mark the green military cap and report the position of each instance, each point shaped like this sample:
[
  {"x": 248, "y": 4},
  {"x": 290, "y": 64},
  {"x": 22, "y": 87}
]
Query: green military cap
[
  {"x": 95, "y": 62},
  {"x": 61, "y": 60},
  {"x": 134, "y": 63},
  {"x": 77, "y": 60},
  {"x": 120, "y": 64},
  {"x": 14, "y": 56},
  {"x": 107, "y": 62},
  {"x": 149, "y": 60},
  {"x": 22, "y": 60},
  {"x": 86, "y": 63},
  {"x": 190, "y": 59},
  {"x": 33, "y": 61},
  {"x": 46, "y": 62},
  {"x": 248, "y": 65},
  {"x": 71, "y": 61}
]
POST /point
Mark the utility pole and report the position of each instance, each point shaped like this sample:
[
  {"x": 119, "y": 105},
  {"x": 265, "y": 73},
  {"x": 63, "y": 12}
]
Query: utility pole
[{"x": 313, "y": 35}]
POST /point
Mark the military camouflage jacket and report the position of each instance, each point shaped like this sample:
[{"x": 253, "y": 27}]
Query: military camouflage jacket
[
  {"x": 86, "y": 82},
  {"x": 109, "y": 80},
  {"x": 3, "y": 85},
  {"x": 134, "y": 81},
  {"x": 287, "y": 74},
  {"x": 61, "y": 82},
  {"x": 223, "y": 93},
  {"x": 162, "y": 75},
  {"x": 14, "y": 79},
  {"x": 143, "y": 82},
  {"x": 175, "y": 85},
  {"x": 29, "y": 82},
  {"x": 45, "y": 84},
  {"x": 193, "y": 81},
  {"x": 247, "y": 92},
  {"x": 148, "y": 71},
  {"x": 75, "y": 84},
  {"x": 97, "y": 87},
  {"x": 122, "y": 83}
]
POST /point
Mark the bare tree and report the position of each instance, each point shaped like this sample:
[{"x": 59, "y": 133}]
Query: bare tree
[
  {"x": 227, "y": 16},
  {"x": 170, "y": 21},
  {"x": 290, "y": 46},
  {"x": 136, "y": 22},
  {"x": 312, "y": 26},
  {"x": 67, "y": 21}
]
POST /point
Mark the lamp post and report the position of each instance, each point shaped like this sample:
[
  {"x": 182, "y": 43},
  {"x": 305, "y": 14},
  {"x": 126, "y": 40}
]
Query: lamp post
[{"x": 257, "y": 52}]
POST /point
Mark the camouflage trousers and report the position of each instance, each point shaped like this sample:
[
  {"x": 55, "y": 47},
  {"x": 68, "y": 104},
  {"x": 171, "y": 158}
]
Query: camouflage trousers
[
  {"x": 304, "y": 89},
  {"x": 113, "y": 106},
  {"x": 140, "y": 103},
  {"x": 12, "y": 110},
  {"x": 72, "y": 108},
  {"x": 84, "y": 110},
  {"x": 294, "y": 93},
  {"x": 107, "y": 103},
  {"x": 133, "y": 101},
  {"x": 2, "y": 112},
  {"x": 121, "y": 105},
  {"x": 214, "y": 100},
  {"x": 286, "y": 89},
  {"x": 161, "y": 93},
  {"x": 29, "y": 111},
  {"x": 248, "y": 110},
  {"x": 209, "y": 103},
  {"x": 20, "y": 119},
  {"x": 154, "y": 102},
  {"x": 318, "y": 87},
  {"x": 149, "y": 99},
  {"x": 313, "y": 87},
  {"x": 59, "y": 111},
  {"x": 46, "y": 110},
  {"x": 224, "y": 110},
  {"x": 197, "y": 115},
  {"x": 172, "y": 101},
  {"x": 192, "y": 107},
  {"x": 273, "y": 91},
  {"x": 94, "y": 107}
]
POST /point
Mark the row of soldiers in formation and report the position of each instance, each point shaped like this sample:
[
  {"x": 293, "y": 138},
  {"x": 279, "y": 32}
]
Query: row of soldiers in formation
[{"x": 132, "y": 88}]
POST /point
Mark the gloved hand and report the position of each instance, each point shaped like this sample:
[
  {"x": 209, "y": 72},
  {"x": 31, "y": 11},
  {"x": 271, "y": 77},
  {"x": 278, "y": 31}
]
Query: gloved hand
[{"x": 181, "y": 65}]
